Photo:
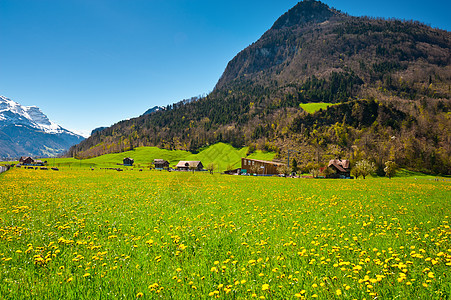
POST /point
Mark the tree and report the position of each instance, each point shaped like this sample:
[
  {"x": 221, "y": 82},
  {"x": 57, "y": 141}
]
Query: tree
[
  {"x": 294, "y": 166},
  {"x": 251, "y": 149},
  {"x": 253, "y": 169},
  {"x": 364, "y": 168},
  {"x": 211, "y": 167},
  {"x": 390, "y": 169},
  {"x": 284, "y": 169},
  {"x": 314, "y": 172}
]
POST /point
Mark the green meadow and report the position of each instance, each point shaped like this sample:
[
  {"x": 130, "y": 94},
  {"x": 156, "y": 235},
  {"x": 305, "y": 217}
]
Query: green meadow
[
  {"x": 222, "y": 155},
  {"x": 103, "y": 234},
  {"x": 314, "y": 106}
]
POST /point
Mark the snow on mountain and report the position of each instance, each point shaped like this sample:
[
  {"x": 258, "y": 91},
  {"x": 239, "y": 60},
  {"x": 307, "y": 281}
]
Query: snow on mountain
[
  {"x": 26, "y": 130},
  {"x": 12, "y": 112}
]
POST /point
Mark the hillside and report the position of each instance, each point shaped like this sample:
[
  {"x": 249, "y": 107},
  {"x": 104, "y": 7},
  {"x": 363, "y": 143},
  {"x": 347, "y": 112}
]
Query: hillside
[
  {"x": 221, "y": 155},
  {"x": 311, "y": 54}
]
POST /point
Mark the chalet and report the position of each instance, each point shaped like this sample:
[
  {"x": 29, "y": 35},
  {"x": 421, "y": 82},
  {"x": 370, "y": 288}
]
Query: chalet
[
  {"x": 189, "y": 165},
  {"x": 339, "y": 168},
  {"x": 39, "y": 163},
  {"x": 260, "y": 167},
  {"x": 26, "y": 160},
  {"x": 129, "y": 161},
  {"x": 161, "y": 164}
]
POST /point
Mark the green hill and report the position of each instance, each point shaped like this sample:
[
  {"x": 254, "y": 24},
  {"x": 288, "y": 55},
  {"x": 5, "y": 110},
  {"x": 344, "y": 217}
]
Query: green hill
[{"x": 221, "y": 154}]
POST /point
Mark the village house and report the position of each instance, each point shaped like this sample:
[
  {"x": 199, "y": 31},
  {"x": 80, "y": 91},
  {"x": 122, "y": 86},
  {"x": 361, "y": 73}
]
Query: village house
[
  {"x": 39, "y": 163},
  {"x": 339, "y": 168},
  {"x": 189, "y": 165},
  {"x": 161, "y": 164},
  {"x": 26, "y": 160},
  {"x": 260, "y": 167},
  {"x": 128, "y": 161}
]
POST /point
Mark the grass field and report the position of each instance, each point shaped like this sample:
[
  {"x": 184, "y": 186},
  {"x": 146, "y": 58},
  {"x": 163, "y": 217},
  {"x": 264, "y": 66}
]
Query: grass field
[
  {"x": 81, "y": 234},
  {"x": 314, "y": 107},
  {"x": 220, "y": 154}
]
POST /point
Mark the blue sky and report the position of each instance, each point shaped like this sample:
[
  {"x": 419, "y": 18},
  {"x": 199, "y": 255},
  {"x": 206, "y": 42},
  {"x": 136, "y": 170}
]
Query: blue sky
[{"x": 91, "y": 63}]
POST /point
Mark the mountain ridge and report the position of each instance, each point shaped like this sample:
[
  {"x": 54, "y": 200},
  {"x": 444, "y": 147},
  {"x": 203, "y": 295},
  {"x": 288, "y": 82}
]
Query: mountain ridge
[
  {"x": 26, "y": 130},
  {"x": 314, "y": 53}
]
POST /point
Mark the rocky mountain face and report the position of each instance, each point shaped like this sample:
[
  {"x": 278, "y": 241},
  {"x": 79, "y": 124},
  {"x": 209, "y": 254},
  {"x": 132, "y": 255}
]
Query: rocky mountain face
[
  {"x": 152, "y": 110},
  {"x": 390, "y": 81},
  {"x": 25, "y": 130}
]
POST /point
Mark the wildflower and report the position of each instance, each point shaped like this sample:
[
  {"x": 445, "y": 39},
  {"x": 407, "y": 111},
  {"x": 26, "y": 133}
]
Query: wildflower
[
  {"x": 265, "y": 287},
  {"x": 139, "y": 295},
  {"x": 338, "y": 292}
]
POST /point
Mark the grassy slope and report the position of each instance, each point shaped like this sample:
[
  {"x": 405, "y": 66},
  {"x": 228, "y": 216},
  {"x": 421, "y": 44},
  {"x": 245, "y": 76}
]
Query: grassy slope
[
  {"x": 314, "y": 107},
  {"x": 220, "y": 154}
]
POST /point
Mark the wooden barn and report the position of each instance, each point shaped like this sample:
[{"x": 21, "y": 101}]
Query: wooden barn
[
  {"x": 339, "y": 168},
  {"x": 128, "y": 161},
  {"x": 26, "y": 160},
  {"x": 161, "y": 164},
  {"x": 189, "y": 165},
  {"x": 260, "y": 167}
]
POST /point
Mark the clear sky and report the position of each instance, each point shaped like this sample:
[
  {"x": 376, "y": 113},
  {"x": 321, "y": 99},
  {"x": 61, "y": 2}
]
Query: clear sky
[{"x": 91, "y": 63}]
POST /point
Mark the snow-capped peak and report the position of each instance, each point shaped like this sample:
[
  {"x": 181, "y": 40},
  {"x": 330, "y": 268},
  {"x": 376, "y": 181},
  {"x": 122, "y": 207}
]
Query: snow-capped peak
[{"x": 12, "y": 112}]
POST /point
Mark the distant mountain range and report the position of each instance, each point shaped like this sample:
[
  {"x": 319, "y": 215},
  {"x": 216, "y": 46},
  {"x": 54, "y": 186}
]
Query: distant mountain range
[
  {"x": 390, "y": 81},
  {"x": 25, "y": 130}
]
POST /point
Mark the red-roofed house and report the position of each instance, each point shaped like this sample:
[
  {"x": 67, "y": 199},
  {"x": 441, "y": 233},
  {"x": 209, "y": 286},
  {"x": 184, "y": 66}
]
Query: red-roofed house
[{"x": 340, "y": 168}]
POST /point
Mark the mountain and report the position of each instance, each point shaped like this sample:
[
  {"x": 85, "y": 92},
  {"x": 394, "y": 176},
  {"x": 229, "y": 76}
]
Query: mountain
[
  {"x": 97, "y": 129},
  {"x": 25, "y": 130},
  {"x": 152, "y": 110},
  {"x": 390, "y": 81}
]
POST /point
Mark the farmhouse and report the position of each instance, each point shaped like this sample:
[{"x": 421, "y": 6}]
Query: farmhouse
[
  {"x": 39, "y": 163},
  {"x": 26, "y": 160},
  {"x": 161, "y": 164},
  {"x": 262, "y": 167},
  {"x": 129, "y": 161},
  {"x": 189, "y": 165},
  {"x": 339, "y": 168}
]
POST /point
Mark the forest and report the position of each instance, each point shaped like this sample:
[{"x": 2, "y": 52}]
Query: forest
[{"x": 390, "y": 81}]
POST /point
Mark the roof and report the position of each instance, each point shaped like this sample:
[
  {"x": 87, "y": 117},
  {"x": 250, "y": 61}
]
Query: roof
[
  {"x": 266, "y": 162},
  {"x": 184, "y": 164},
  {"x": 341, "y": 165},
  {"x": 159, "y": 160}
]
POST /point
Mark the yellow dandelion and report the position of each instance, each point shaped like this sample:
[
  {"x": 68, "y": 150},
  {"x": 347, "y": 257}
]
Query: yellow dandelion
[
  {"x": 265, "y": 287},
  {"x": 139, "y": 295},
  {"x": 338, "y": 292}
]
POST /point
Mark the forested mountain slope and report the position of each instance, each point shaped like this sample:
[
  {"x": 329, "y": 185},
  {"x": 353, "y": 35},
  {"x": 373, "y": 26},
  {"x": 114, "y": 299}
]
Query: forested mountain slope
[{"x": 392, "y": 79}]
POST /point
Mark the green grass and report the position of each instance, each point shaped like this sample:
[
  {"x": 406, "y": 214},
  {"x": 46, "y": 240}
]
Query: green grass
[
  {"x": 81, "y": 234},
  {"x": 220, "y": 154},
  {"x": 314, "y": 107}
]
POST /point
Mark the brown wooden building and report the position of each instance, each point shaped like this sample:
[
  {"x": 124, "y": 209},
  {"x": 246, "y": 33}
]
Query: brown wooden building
[
  {"x": 128, "y": 161},
  {"x": 189, "y": 165},
  {"x": 26, "y": 160},
  {"x": 260, "y": 167},
  {"x": 160, "y": 164},
  {"x": 339, "y": 168}
]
